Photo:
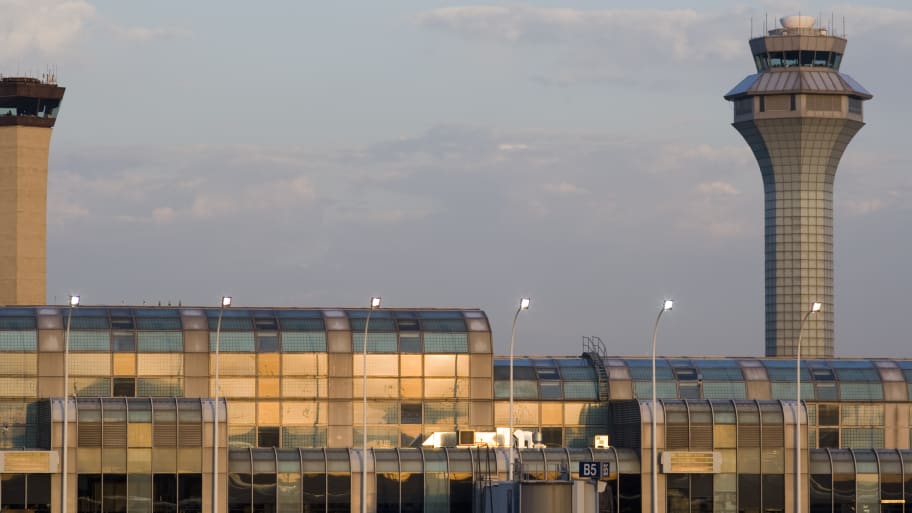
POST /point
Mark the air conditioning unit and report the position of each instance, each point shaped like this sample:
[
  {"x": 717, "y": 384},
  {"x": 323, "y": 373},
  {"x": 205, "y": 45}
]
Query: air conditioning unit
[
  {"x": 602, "y": 441},
  {"x": 466, "y": 437}
]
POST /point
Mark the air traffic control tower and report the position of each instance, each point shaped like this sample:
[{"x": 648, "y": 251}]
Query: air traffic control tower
[
  {"x": 28, "y": 110},
  {"x": 798, "y": 114}
]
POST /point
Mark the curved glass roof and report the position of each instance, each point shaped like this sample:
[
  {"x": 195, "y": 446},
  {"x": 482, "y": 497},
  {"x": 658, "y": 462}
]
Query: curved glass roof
[
  {"x": 122, "y": 328},
  {"x": 577, "y": 378}
]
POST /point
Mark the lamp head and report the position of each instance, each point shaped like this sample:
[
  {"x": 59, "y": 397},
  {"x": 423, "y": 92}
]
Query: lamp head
[
  {"x": 667, "y": 305},
  {"x": 816, "y": 307},
  {"x": 524, "y": 303},
  {"x": 226, "y": 301},
  {"x": 74, "y": 300},
  {"x": 375, "y": 302}
]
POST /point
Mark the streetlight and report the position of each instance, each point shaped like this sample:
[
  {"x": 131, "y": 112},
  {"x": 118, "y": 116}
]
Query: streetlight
[
  {"x": 815, "y": 307},
  {"x": 523, "y": 305},
  {"x": 666, "y": 306},
  {"x": 74, "y": 302},
  {"x": 226, "y": 302},
  {"x": 374, "y": 303}
]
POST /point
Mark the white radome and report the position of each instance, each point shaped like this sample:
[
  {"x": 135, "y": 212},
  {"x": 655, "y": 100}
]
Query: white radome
[{"x": 798, "y": 22}]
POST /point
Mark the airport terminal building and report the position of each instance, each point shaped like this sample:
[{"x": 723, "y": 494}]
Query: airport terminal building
[{"x": 141, "y": 404}]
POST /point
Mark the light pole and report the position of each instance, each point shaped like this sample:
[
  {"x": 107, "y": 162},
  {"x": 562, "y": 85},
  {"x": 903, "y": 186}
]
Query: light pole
[
  {"x": 374, "y": 303},
  {"x": 815, "y": 307},
  {"x": 226, "y": 302},
  {"x": 666, "y": 306},
  {"x": 74, "y": 302},
  {"x": 523, "y": 305}
]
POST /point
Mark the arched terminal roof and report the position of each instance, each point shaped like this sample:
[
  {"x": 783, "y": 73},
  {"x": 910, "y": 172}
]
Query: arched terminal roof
[
  {"x": 162, "y": 329},
  {"x": 582, "y": 378}
]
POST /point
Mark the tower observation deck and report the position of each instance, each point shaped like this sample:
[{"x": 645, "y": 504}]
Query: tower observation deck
[
  {"x": 798, "y": 114},
  {"x": 28, "y": 111}
]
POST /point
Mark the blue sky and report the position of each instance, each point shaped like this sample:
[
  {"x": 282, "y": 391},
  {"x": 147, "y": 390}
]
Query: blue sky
[{"x": 453, "y": 154}]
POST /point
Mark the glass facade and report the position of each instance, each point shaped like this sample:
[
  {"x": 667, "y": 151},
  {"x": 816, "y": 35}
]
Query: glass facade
[{"x": 291, "y": 424}]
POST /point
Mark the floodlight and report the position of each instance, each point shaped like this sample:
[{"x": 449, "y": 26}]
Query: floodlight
[
  {"x": 816, "y": 307},
  {"x": 375, "y": 302},
  {"x": 226, "y": 301},
  {"x": 74, "y": 300},
  {"x": 524, "y": 303},
  {"x": 666, "y": 306}
]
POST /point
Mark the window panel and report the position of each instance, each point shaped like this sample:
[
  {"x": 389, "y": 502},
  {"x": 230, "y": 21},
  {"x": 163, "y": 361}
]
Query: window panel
[
  {"x": 443, "y": 325},
  {"x": 580, "y": 390},
  {"x": 724, "y": 390},
  {"x": 376, "y": 387},
  {"x": 23, "y": 364},
  {"x": 862, "y": 438},
  {"x": 304, "y": 341},
  {"x": 411, "y": 365},
  {"x": 664, "y": 390},
  {"x": 160, "y": 341},
  {"x": 522, "y": 389},
  {"x": 446, "y": 343},
  {"x": 378, "y": 365},
  {"x": 164, "y": 364},
  {"x": 18, "y": 340},
  {"x": 159, "y": 387},
  {"x": 237, "y": 387},
  {"x": 446, "y": 412},
  {"x": 304, "y": 436},
  {"x": 376, "y": 342},
  {"x": 439, "y": 388},
  {"x": 91, "y": 387},
  {"x": 304, "y": 412},
  {"x": 411, "y": 413},
  {"x": 18, "y": 387},
  {"x": 18, "y": 323},
  {"x": 862, "y": 414},
  {"x": 90, "y": 364},
  {"x": 90, "y": 340},
  {"x": 860, "y": 391},
  {"x": 411, "y": 388},
  {"x": 311, "y": 387},
  {"x": 304, "y": 364},
  {"x": 234, "y": 365},
  {"x": 378, "y": 412},
  {"x": 587, "y": 414},
  {"x": 439, "y": 365},
  {"x": 237, "y": 342}
]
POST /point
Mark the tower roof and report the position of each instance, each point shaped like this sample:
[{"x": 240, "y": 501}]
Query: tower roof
[{"x": 799, "y": 81}]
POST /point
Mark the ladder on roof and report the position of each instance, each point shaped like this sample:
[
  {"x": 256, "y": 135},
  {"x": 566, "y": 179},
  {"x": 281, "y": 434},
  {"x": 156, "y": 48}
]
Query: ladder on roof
[{"x": 594, "y": 350}]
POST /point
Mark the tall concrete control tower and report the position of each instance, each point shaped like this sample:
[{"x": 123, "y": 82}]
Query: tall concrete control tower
[
  {"x": 28, "y": 110},
  {"x": 798, "y": 114}
]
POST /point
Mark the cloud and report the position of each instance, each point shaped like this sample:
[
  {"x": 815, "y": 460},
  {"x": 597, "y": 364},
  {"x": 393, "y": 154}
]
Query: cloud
[
  {"x": 512, "y": 147},
  {"x": 564, "y": 188},
  {"x": 46, "y": 27},
  {"x": 676, "y": 34},
  {"x": 163, "y": 215},
  {"x": 863, "y": 206},
  {"x": 870, "y": 20},
  {"x": 145, "y": 34},
  {"x": 717, "y": 187}
]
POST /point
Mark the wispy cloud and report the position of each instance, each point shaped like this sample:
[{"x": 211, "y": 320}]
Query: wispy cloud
[
  {"x": 44, "y": 27},
  {"x": 679, "y": 34},
  {"x": 145, "y": 34}
]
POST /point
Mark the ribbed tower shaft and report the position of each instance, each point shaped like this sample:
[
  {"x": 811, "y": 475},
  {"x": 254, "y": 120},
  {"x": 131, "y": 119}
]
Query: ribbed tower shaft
[{"x": 798, "y": 158}]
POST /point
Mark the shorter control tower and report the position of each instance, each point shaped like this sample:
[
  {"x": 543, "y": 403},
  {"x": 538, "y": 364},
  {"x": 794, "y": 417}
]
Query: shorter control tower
[
  {"x": 28, "y": 110},
  {"x": 798, "y": 114}
]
